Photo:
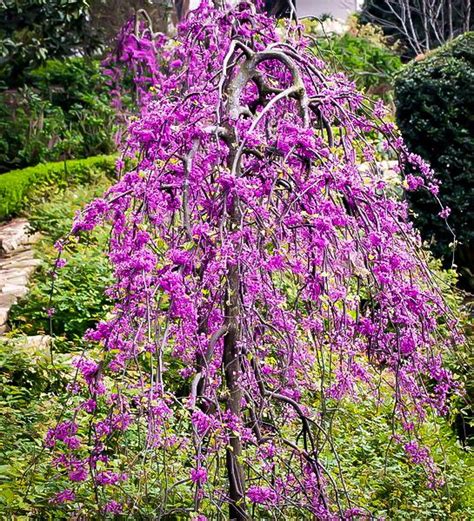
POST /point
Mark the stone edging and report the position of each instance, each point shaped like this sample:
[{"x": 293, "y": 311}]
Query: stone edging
[{"x": 17, "y": 263}]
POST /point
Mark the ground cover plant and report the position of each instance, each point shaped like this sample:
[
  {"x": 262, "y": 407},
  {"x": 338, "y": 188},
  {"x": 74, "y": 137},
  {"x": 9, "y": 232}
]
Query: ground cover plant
[
  {"x": 78, "y": 295},
  {"x": 34, "y": 378}
]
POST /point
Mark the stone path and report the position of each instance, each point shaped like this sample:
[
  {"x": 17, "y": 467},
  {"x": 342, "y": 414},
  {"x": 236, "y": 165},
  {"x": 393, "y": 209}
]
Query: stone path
[{"x": 17, "y": 263}]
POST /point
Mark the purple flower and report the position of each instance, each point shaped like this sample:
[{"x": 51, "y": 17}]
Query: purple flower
[
  {"x": 445, "y": 212},
  {"x": 78, "y": 474},
  {"x": 64, "y": 432},
  {"x": 199, "y": 475},
  {"x": 89, "y": 405},
  {"x": 113, "y": 507},
  {"x": 416, "y": 453},
  {"x": 202, "y": 422},
  {"x": 108, "y": 477},
  {"x": 60, "y": 263},
  {"x": 64, "y": 496},
  {"x": 261, "y": 495}
]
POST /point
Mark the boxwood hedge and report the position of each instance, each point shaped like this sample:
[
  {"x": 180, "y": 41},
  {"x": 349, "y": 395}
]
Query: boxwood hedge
[
  {"x": 434, "y": 98},
  {"x": 17, "y": 187}
]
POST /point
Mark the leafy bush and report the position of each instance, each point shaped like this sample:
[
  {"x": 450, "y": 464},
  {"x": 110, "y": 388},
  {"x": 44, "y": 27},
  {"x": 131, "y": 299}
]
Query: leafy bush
[
  {"x": 34, "y": 30},
  {"x": 33, "y": 392},
  {"x": 63, "y": 111},
  {"x": 435, "y": 108},
  {"x": 78, "y": 299},
  {"x": 363, "y": 55},
  {"x": 461, "y": 360},
  {"x": 19, "y": 186},
  {"x": 382, "y": 479}
]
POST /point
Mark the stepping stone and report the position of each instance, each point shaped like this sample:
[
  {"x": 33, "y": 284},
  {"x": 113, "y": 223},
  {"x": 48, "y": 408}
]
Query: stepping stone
[
  {"x": 10, "y": 272},
  {"x": 4, "y": 317},
  {"x": 6, "y": 302},
  {"x": 19, "y": 290},
  {"x": 19, "y": 280},
  {"x": 13, "y": 234},
  {"x": 17, "y": 263},
  {"x": 20, "y": 264}
]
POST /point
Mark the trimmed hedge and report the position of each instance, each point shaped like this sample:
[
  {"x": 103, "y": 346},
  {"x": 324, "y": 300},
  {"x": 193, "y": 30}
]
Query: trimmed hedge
[
  {"x": 435, "y": 112},
  {"x": 17, "y": 187}
]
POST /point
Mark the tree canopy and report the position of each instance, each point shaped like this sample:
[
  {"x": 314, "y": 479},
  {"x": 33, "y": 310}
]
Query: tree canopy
[{"x": 263, "y": 278}]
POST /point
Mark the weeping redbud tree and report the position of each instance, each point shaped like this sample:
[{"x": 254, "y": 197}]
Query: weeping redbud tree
[{"x": 265, "y": 272}]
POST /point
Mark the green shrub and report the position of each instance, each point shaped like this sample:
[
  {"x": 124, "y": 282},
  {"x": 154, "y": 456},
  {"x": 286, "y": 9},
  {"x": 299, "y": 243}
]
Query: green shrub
[
  {"x": 19, "y": 186},
  {"x": 30, "y": 129},
  {"x": 362, "y": 54},
  {"x": 381, "y": 479},
  {"x": 78, "y": 298},
  {"x": 62, "y": 111},
  {"x": 32, "y": 393},
  {"x": 435, "y": 112}
]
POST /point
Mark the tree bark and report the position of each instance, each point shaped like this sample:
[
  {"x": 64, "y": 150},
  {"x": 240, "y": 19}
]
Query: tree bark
[{"x": 232, "y": 370}]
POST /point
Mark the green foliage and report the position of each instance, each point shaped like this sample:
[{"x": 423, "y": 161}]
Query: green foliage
[
  {"x": 33, "y": 392},
  {"x": 378, "y": 471},
  {"x": 32, "y": 31},
  {"x": 18, "y": 187},
  {"x": 363, "y": 55},
  {"x": 387, "y": 484},
  {"x": 31, "y": 384},
  {"x": 460, "y": 360},
  {"x": 77, "y": 296},
  {"x": 435, "y": 112},
  {"x": 63, "y": 111}
]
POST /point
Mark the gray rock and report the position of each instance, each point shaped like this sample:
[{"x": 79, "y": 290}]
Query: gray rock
[
  {"x": 19, "y": 290},
  {"x": 13, "y": 234}
]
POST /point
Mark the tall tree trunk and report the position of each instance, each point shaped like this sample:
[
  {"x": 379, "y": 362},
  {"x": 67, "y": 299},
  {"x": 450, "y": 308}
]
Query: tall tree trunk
[{"x": 232, "y": 369}]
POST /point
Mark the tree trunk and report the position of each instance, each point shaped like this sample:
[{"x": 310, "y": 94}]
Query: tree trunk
[{"x": 232, "y": 369}]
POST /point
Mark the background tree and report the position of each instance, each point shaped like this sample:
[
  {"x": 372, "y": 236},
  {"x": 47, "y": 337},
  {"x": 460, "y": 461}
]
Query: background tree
[
  {"x": 32, "y": 31},
  {"x": 109, "y": 16},
  {"x": 420, "y": 25}
]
